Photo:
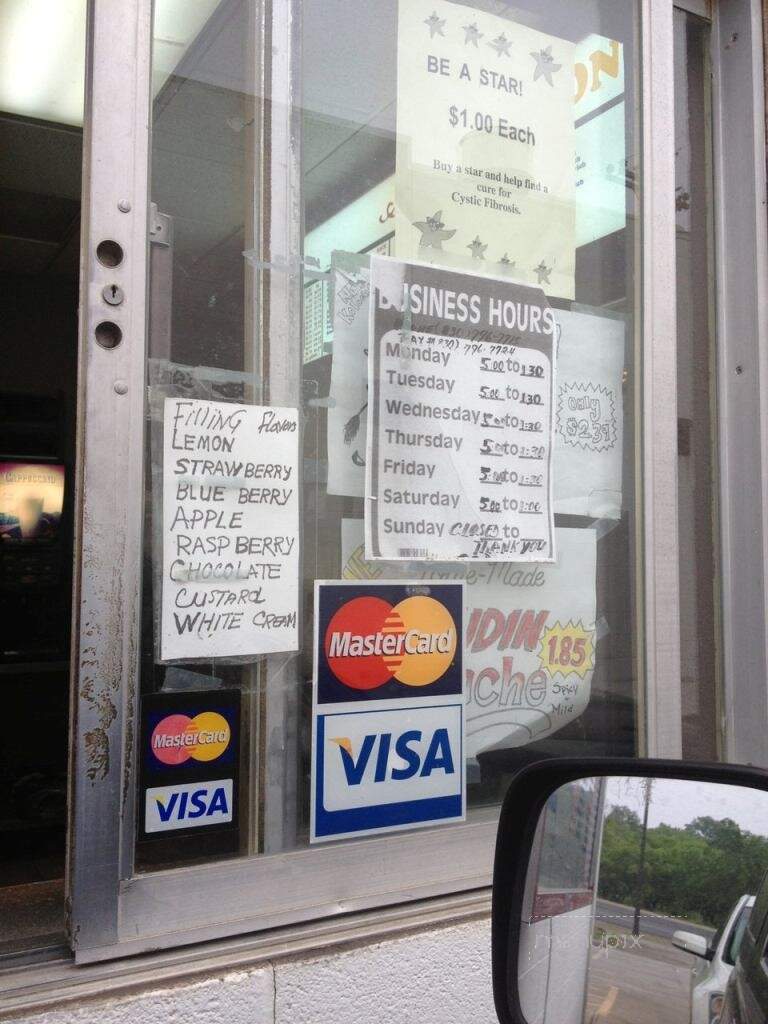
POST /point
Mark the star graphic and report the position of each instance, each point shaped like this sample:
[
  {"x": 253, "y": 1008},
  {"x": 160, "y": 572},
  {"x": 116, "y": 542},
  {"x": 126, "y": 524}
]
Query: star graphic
[
  {"x": 477, "y": 248},
  {"x": 501, "y": 45},
  {"x": 543, "y": 272},
  {"x": 432, "y": 231},
  {"x": 471, "y": 35},
  {"x": 545, "y": 65},
  {"x": 435, "y": 25},
  {"x": 505, "y": 261}
]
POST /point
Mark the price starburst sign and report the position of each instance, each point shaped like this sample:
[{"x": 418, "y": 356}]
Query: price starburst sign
[{"x": 567, "y": 650}]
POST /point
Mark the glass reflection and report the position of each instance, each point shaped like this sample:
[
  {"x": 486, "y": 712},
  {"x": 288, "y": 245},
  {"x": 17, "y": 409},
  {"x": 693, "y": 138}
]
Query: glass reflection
[{"x": 640, "y": 899}]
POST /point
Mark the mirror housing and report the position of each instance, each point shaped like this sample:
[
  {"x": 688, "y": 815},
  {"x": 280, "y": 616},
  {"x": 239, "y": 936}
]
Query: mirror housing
[
  {"x": 530, "y": 788},
  {"x": 691, "y": 943}
]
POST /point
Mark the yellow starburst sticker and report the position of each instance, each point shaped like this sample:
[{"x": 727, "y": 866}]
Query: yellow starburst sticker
[{"x": 568, "y": 650}]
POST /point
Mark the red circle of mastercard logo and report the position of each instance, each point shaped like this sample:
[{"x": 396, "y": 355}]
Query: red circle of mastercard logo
[
  {"x": 369, "y": 641},
  {"x": 177, "y": 738}
]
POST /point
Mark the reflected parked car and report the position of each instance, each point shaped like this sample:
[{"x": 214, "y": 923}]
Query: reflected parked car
[
  {"x": 717, "y": 958},
  {"x": 746, "y": 995}
]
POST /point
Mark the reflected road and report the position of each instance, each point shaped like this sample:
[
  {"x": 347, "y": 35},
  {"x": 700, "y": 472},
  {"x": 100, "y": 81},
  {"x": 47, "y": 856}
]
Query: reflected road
[
  {"x": 609, "y": 914},
  {"x": 638, "y": 981}
]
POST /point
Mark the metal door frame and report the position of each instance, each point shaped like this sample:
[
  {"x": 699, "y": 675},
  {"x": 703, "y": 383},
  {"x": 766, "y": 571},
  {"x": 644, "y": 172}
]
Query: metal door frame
[
  {"x": 110, "y": 485},
  {"x": 741, "y": 241}
]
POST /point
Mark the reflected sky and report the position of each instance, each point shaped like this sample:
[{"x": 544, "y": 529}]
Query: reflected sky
[{"x": 676, "y": 802}]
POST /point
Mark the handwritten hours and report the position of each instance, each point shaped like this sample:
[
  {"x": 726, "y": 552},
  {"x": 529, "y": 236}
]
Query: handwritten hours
[{"x": 460, "y": 424}]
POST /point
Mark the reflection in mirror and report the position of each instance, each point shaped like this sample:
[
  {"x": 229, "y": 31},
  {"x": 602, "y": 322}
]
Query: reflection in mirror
[{"x": 638, "y": 898}]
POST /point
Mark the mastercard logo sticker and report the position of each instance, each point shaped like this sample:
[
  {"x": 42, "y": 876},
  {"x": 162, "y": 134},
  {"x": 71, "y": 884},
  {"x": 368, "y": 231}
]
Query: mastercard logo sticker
[
  {"x": 177, "y": 738},
  {"x": 369, "y": 641}
]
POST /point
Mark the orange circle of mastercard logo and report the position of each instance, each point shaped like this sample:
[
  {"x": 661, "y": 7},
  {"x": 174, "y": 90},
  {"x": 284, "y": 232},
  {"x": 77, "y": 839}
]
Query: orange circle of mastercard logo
[
  {"x": 369, "y": 641},
  {"x": 177, "y": 738}
]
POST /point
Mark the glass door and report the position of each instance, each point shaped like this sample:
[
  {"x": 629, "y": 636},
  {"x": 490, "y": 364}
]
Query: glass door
[{"x": 231, "y": 261}]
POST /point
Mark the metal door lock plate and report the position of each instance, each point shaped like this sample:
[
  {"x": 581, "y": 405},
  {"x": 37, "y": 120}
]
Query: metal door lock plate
[{"x": 112, "y": 294}]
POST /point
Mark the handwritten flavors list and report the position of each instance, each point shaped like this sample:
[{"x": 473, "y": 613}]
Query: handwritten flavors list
[{"x": 230, "y": 530}]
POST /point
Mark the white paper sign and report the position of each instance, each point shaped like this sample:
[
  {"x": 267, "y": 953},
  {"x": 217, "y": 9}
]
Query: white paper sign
[
  {"x": 347, "y": 411},
  {"x": 589, "y": 415},
  {"x": 230, "y": 530},
  {"x": 485, "y": 144},
  {"x": 529, "y": 650},
  {"x": 460, "y": 386}
]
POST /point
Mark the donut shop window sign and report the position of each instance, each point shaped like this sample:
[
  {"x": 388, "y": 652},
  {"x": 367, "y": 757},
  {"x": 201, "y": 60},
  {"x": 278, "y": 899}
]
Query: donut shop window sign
[{"x": 411, "y": 340}]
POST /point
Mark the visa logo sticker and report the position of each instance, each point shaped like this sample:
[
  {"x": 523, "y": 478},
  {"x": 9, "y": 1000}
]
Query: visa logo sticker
[
  {"x": 188, "y": 805},
  {"x": 406, "y": 749},
  {"x": 385, "y": 769}
]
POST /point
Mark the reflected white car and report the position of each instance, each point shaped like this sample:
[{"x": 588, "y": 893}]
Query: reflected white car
[{"x": 710, "y": 974}]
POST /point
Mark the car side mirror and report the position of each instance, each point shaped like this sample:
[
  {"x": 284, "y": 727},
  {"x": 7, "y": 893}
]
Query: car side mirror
[
  {"x": 610, "y": 874},
  {"x": 691, "y": 943}
]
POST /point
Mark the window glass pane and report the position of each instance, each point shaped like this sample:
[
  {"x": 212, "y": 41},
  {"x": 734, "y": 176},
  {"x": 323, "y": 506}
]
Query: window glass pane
[
  {"x": 493, "y": 146},
  {"x": 759, "y": 913},
  {"x": 736, "y": 936}
]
